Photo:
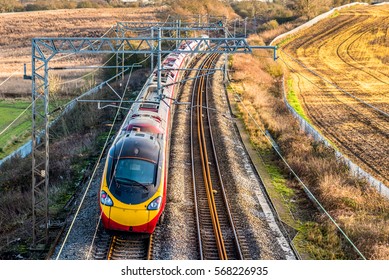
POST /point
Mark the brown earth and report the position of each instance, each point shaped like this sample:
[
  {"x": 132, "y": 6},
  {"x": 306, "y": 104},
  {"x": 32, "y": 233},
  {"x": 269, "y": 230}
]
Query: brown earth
[
  {"x": 340, "y": 72},
  {"x": 17, "y": 30}
]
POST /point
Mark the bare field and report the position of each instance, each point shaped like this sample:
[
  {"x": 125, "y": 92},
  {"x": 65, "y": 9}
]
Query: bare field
[
  {"x": 340, "y": 72},
  {"x": 17, "y": 30}
]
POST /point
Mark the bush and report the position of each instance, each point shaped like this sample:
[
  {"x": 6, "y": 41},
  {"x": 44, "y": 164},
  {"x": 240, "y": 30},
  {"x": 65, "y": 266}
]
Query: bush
[
  {"x": 270, "y": 25},
  {"x": 7, "y": 6},
  {"x": 86, "y": 4},
  {"x": 202, "y": 7}
]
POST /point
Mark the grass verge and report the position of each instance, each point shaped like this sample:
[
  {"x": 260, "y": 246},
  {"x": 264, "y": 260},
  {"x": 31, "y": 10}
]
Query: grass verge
[
  {"x": 17, "y": 134},
  {"x": 294, "y": 101}
]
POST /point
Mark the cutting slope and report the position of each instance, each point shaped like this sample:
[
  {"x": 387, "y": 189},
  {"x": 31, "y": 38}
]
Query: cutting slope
[{"x": 340, "y": 70}]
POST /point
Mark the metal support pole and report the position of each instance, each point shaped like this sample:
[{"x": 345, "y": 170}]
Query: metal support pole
[
  {"x": 117, "y": 64},
  {"x": 225, "y": 58},
  {"x": 34, "y": 144},
  {"x": 159, "y": 87},
  {"x": 123, "y": 63},
  {"x": 47, "y": 154},
  {"x": 44, "y": 49},
  {"x": 177, "y": 31},
  {"x": 152, "y": 51},
  {"x": 245, "y": 27},
  {"x": 40, "y": 148},
  {"x": 275, "y": 53}
]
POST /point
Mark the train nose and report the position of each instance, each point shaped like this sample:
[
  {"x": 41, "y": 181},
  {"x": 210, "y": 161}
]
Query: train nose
[{"x": 130, "y": 217}]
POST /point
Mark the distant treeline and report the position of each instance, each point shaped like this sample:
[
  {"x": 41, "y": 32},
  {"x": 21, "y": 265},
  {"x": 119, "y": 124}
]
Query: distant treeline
[
  {"x": 9, "y": 6},
  {"x": 284, "y": 9}
]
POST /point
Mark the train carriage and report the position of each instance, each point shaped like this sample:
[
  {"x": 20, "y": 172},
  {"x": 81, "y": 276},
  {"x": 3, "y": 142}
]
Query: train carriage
[{"x": 133, "y": 187}]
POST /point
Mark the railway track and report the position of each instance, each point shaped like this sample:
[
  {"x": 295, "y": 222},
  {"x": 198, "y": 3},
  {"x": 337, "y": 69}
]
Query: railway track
[
  {"x": 122, "y": 247},
  {"x": 217, "y": 235},
  {"x": 182, "y": 235},
  {"x": 127, "y": 247}
]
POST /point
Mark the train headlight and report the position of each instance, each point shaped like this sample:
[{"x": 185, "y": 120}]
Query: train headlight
[
  {"x": 155, "y": 204},
  {"x": 105, "y": 199}
]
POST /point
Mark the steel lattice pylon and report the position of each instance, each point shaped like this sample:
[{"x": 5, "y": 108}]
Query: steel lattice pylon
[
  {"x": 45, "y": 49},
  {"x": 40, "y": 156}
]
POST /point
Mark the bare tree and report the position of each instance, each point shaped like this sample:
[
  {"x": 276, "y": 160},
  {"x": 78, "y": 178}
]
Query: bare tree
[
  {"x": 7, "y": 6},
  {"x": 311, "y": 8}
]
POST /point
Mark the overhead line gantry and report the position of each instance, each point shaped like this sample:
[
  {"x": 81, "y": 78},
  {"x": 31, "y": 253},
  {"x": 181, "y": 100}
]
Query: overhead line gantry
[{"x": 45, "y": 49}]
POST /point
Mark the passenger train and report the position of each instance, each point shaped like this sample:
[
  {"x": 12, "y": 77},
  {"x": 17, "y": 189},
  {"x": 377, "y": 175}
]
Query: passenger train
[{"x": 133, "y": 187}]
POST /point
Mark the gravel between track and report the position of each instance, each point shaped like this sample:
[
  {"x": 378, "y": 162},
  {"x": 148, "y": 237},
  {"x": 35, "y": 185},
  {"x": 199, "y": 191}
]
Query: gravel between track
[{"x": 176, "y": 239}]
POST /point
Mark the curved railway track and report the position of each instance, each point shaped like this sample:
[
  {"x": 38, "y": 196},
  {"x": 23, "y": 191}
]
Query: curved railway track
[
  {"x": 248, "y": 232},
  {"x": 217, "y": 235}
]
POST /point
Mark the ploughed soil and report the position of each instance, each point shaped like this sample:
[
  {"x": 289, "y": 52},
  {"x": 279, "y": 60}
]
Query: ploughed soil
[{"x": 340, "y": 72}]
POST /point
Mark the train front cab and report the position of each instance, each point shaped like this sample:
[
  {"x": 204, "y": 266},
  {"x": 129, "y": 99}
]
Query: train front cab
[{"x": 132, "y": 192}]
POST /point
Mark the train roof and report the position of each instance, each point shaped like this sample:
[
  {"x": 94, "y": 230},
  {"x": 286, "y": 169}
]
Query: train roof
[{"x": 136, "y": 144}]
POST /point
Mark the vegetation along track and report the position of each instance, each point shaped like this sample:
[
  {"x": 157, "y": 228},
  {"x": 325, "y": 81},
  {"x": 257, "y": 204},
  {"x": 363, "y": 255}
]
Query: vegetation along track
[
  {"x": 342, "y": 71},
  {"x": 216, "y": 230}
]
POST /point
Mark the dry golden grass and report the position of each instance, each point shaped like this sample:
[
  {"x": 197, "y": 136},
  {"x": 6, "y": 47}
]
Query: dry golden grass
[
  {"x": 359, "y": 210},
  {"x": 348, "y": 51},
  {"x": 202, "y": 7},
  {"x": 268, "y": 35},
  {"x": 17, "y": 30}
]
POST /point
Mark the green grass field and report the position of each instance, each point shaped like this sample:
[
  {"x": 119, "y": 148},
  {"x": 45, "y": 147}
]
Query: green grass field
[
  {"x": 16, "y": 135},
  {"x": 20, "y": 132},
  {"x": 295, "y": 102}
]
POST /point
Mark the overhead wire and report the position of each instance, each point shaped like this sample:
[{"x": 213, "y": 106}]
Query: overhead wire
[
  {"x": 29, "y": 106},
  {"x": 15, "y": 120},
  {"x": 93, "y": 175},
  {"x": 64, "y": 107},
  {"x": 99, "y": 220},
  {"x": 310, "y": 194},
  {"x": 57, "y": 58},
  {"x": 89, "y": 73}
]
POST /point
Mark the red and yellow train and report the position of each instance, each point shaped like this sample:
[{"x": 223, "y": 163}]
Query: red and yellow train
[{"x": 133, "y": 186}]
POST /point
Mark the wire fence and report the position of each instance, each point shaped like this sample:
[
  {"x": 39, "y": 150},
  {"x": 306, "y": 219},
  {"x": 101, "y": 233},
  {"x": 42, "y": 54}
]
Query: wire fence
[{"x": 355, "y": 170}]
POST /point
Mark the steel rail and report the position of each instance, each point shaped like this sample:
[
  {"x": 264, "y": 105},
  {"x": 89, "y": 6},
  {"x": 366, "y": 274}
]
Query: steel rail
[
  {"x": 207, "y": 179},
  {"x": 205, "y": 166},
  {"x": 224, "y": 195},
  {"x": 130, "y": 247},
  {"x": 194, "y": 183}
]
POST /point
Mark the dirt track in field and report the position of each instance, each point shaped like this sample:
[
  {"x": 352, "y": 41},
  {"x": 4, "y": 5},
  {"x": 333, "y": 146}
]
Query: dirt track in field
[
  {"x": 17, "y": 30},
  {"x": 340, "y": 71}
]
